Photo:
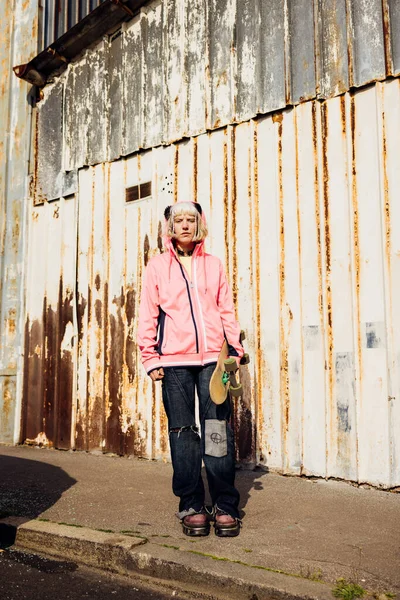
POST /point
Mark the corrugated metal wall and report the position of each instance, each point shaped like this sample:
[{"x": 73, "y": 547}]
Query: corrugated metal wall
[
  {"x": 303, "y": 210},
  {"x": 181, "y": 68},
  {"x": 18, "y": 41}
]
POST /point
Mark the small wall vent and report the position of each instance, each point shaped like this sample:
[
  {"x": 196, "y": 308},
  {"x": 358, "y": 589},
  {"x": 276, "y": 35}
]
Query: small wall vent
[{"x": 138, "y": 192}]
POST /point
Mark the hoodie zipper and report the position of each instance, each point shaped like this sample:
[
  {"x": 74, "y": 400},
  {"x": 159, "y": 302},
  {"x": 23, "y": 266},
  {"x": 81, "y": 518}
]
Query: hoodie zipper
[
  {"x": 191, "y": 306},
  {"x": 198, "y": 302}
]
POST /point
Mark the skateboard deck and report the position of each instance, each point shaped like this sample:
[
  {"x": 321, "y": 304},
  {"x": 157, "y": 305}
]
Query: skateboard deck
[{"x": 223, "y": 380}]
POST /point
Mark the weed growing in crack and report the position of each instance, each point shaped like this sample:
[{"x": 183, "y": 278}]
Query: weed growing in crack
[{"x": 347, "y": 590}]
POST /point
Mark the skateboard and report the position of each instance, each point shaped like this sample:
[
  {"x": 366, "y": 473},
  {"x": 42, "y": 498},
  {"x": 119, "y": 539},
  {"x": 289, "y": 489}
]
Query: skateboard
[{"x": 223, "y": 380}]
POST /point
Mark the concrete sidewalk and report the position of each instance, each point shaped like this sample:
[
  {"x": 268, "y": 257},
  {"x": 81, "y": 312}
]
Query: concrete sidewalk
[{"x": 299, "y": 536}]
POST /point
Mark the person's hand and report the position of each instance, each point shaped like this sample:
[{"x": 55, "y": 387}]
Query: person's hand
[{"x": 157, "y": 374}]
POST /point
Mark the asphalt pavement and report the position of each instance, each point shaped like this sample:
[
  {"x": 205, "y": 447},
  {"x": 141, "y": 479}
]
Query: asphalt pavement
[{"x": 299, "y": 536}]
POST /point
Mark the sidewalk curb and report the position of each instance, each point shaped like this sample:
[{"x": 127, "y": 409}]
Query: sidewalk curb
[{"x": 130, "y": 556}]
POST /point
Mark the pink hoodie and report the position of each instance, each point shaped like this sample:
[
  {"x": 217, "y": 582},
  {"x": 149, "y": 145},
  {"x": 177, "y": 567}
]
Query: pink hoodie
[{"x": 184, "y": 322}]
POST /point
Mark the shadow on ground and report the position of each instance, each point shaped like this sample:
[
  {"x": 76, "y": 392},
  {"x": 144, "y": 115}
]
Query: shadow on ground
[{"x": 27, "y": 489}]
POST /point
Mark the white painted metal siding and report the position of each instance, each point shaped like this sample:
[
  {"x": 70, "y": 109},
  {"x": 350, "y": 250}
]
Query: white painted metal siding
[{"x": 302, "y": 209}]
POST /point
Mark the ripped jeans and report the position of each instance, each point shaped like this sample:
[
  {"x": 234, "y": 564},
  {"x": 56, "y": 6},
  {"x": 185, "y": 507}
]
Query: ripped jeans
[{"x": 215, "y": 447}]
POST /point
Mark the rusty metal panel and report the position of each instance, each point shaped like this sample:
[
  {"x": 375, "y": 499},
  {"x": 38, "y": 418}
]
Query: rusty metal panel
[
  {"x": 97, "y": 104},
  {"x": 241, "y": 223},
  {"x": 392, "y": 35},
  {"x": 332, "y": 50},
  {"x": 315, "y": 421},
  {"x": 115, "y": 114},
  {"x": 368, "y": 252},
  {"x": 153, "y": 98},
  {"x": 336, "y": 256},
  {"x": 248, "y": 27},
  {"x": 301, "y": 52},
  {"x": 85, "y": 423},
  {"x": 18, "y": 42},
  {"x": 174, "y": 84},
  {"x": 34, "y": 348},
  {"x": 389, "y": 108},
  {"x": 366, "y": 41},
  {"x": 133, "y": 86},
  {"x": 271, "y": 56},
  {"x": 49, "y": 330},
  {"x": 99, "y": 246},
  {"x": 195, "y": 65},
  {"x": 76, "y": 115},
  {"x": 221, "y": 109},
  {"x": 173, "y": 72},
  {"x": 51, "y": 181}
]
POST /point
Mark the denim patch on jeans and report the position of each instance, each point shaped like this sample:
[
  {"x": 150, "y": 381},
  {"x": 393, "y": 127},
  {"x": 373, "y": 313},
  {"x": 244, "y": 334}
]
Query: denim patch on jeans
[{"x": 215, "y": 439}]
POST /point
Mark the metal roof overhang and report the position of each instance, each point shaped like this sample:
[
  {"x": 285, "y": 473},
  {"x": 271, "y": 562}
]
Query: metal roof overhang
[{"x": 102, "y": 20}]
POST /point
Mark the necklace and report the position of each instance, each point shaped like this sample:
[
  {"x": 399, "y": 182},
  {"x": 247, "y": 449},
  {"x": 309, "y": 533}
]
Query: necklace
[{"x": 183, "y": 253}]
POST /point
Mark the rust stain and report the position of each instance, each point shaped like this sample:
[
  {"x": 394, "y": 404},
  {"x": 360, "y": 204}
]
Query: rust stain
[
  {"x": 11, "y": 321},
  {"x": 48, "y": 374},
  {"x": 277, "y": 118},
  {"x": 299, "y": 246},
  {"x": 226, "y": 200},
  {"x": 35, "y": 190},
  {"x": 114, "y": 436},
  {"x": 65, "y": 392},
  {"x": 387, "y": 215},
  {"x": 356, "y": 235},
  {"x": 386, "y": 37},
  {"x": 328, "y": 284},
  {"x": 15, "y": 233},
  {"x": 284, "y": 359},
  {"x": 7, "y": 403},
  {"x": 343, "y": 114},
  {"x": 234, "y": 220},
  {"x": 130, "y": 343},
  {"x": 258, "y": 349},
  {"x": 160, "y": 245},
  {"x": 146, "y": 249}
]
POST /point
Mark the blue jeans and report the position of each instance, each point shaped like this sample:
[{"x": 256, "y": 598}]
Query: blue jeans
[{"x": 188, "y": 449}]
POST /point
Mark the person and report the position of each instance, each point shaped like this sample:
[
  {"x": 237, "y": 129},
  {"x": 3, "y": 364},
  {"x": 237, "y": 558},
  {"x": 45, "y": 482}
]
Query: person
[{"x": 186, "y": 312}]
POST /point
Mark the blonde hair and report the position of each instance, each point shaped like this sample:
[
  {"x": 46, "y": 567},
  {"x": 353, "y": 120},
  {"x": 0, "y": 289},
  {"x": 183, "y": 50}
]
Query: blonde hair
[{"x": 186, "y": 208}]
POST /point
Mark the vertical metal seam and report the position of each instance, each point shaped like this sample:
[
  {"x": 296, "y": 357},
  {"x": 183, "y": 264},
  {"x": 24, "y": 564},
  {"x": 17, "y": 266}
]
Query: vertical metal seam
[
  {"x": 259, "y": 441},
  {"x": 300, "y": 275},
  {"x": 284, "y": 364},
  {"x": 350, "y": 38},
  {"x": 234, "y": 220},
  {"x": 105, "y": 299},
  {"x": 356, "y": 265},
  {"x": 328, "y": 309},
  {"x": 387, "y": 38},
  {"x": 226, "y": 199},
  {"x": 287, "y": 54},
  {"x": 386, "y": 259}
]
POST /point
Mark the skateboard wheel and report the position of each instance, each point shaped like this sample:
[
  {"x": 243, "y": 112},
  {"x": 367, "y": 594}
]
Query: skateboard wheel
[
  {"x": 245, "y": 359},
  {"x": 236, "y": 391},
  {"x": 230, "y": 365}
]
